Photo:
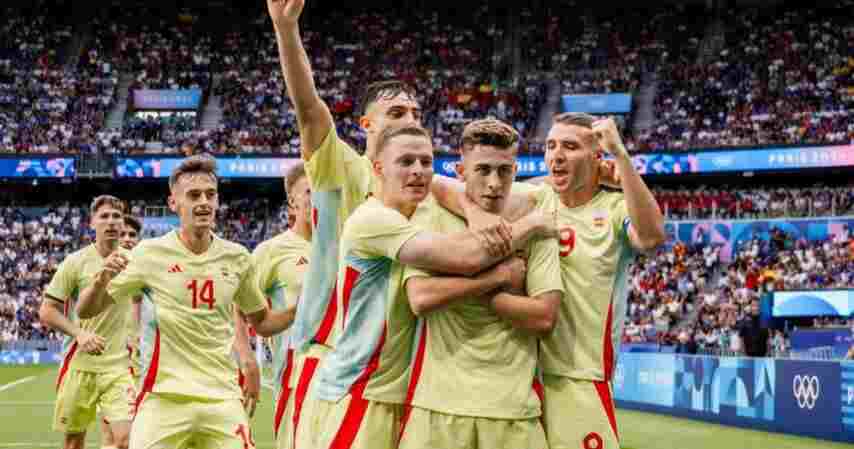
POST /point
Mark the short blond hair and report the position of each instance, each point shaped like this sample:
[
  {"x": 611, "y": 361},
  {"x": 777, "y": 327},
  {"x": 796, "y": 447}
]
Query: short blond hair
[
  {"x": 106, "y": 200},
  {"x": 194, "y": 164},
  {"x": 489, "y": 131},
  {"x": 390, "y": 133},
  {"x": 575, "y": 119},
  {"x": 294, "y": 175}
]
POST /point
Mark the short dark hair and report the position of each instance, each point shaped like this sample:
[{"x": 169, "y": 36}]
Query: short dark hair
[
  {"x": 390, "y": 133},
  {"x": 381, "y": 90},
  {"x": 106, "y": 200},
  {"x": 575, "y": 118},
  {"x": 133, "y": 222},
  {"x": 489, "y": 131},
  {"x": 200, "y": 163}
]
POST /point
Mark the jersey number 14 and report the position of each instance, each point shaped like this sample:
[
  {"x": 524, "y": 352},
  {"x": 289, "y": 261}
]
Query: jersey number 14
[{"x": 204, "y": 295}]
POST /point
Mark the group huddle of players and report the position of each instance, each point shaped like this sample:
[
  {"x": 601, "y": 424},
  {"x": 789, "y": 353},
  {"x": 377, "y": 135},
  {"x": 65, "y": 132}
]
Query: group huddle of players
[{"x": 408, "y": 310}]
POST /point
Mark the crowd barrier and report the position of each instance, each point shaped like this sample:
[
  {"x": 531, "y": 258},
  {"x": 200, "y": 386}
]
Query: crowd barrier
[{"x": 800, "y": 397}]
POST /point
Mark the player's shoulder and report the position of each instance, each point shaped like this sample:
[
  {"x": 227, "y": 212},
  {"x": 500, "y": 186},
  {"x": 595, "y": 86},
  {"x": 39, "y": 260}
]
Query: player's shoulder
[
  {"x": 270, "y": 245},
  {"x": 79, "y": 257},
  {"x": 230, "y": 249},
  {"x": 610, "y": 197}
]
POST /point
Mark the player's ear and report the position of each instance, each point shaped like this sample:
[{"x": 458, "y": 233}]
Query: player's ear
[
  {"x": 459, "y": 168},
  {"x": 173, "y": 205},
  {"x": 378, "y": 167},
  {"x": 365, "y": 122}
]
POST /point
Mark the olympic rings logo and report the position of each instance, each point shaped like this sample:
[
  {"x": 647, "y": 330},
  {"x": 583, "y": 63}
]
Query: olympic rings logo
[{"x": 807, "y": 390}]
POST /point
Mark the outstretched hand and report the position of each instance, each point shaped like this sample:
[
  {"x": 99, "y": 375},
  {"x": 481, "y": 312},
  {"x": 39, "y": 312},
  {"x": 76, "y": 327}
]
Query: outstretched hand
[{"x": 285, "y": 12}]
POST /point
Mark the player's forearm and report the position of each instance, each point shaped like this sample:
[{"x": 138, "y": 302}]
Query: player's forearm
[
  {"x": 534, "y": 315},
  {"x": 646, "y": 216},
  {"x": 427, "y": 294},
  {"x": 92, "y": 301},
  {"x": 275, "y": 322},
  {"x": 312, "y": 114},
  {"x": 55, "y": 319},
  {"x": 241, "y": 337}
]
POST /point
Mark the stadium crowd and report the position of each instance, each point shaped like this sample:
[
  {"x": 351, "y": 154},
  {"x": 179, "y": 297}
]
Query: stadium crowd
[{"x": 800, "y": 91}]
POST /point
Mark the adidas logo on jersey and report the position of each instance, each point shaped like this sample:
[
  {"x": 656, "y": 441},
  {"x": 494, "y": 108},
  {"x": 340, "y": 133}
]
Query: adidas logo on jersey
[
  {"x": 176, "y": 269},
  {"x": 302, "y": 261}
]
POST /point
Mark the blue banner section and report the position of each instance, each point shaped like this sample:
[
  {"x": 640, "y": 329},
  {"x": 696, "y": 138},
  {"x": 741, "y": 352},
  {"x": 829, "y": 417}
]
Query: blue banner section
[
  {"x": 838, "y": 339},
  {"x": 58, "y": 167},
  {"x": 29, "y": 357},
  {"x": 769, "y": 159},
  {"x": 598, "y": 103},
  {"x": 167, "y": 98},
  {"x": 731, "y": 234},
  {"x": 808, "y": 401},
  {"x": 157, "y": 226},
  {"x": 846, "y": 397},
  {"x": 802, "y": 397},
  {"x": 152, "y": 167},
  {"x": 811, "y": 303}
]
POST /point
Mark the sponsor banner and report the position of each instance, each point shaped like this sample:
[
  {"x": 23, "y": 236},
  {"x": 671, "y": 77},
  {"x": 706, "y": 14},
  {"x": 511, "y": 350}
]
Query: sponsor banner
[
  {"x": 167, "y": 98},
  {"x": 800, "y": 397},
  {"x": 808, "y": 397},
  {"x": 29, "y": 357},
  {"x": 598, "y": 103},
  {"x": 58, "y": 167},
  {"x": 807, "y": 303},
  {"x": 846, "y": 398},
  {"x": 703, "y": 162},
  {"x": 153, "y": 167}
]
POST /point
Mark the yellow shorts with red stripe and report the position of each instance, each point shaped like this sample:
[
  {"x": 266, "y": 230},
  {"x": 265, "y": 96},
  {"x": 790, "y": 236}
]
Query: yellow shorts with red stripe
[
  {"x": 165, "y": 421},
  {"x": 427, "y": 429},
  {"x": 579, "y": 414},
  {"x": 352, "y": 422},
  {"x": 82, "y": 394},
  {"x": 291, "y": 409}
]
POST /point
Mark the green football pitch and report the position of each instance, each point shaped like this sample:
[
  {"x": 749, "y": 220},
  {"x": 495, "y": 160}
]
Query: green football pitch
[{"x": 26, "y": 409}]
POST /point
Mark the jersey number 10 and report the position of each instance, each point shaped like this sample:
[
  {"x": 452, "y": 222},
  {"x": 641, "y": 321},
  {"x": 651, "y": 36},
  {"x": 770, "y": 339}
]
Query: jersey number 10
[{"x": 204, "y": 295}]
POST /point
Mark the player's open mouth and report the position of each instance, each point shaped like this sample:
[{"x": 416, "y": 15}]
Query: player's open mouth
[{"x": 111, "y": 233}]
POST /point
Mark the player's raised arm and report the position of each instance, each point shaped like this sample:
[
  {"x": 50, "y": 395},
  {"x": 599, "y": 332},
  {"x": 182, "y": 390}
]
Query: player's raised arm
[
  {"x": 312, "y": 113},
  {"x": 429, "y": 293},
  {"x": 647, "y": 221}
]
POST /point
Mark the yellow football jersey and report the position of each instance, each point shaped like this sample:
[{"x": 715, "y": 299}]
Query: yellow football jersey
[
  {"x": 466, "y": 350},
  {"x": 187, "y": 324},
  {"x": 595, "y": 254},
  {"x": 74, "y": 274}
]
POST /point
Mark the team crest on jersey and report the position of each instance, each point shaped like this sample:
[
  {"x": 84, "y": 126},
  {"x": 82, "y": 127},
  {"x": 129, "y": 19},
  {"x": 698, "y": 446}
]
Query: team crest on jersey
[
  {"x": 302, "y": 261},
  {"x": 599, "y": 218},
  {"x": 567, "y": 241}
]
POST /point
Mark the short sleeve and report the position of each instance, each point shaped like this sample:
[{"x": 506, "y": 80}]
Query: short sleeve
[
  {"x": 544, "y": 271},
  {"x": 130, "y": 282},
  {"x": 378, "y": 231},
  {"x": 249, "y": 297},
  {"x": 333, "y": 164},
  {"x": 264, "y": 271},
  {"x": 63, "y": 286},
  {"x": 413, "y": 272}
]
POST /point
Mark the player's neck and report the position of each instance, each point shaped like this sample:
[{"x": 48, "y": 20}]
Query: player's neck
[
  {"x": 105, "y": 247},
  {"x": 302, "y": 228},
  {"x": 578, "y": 197},
  {"x": 196, "y": 240}
]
